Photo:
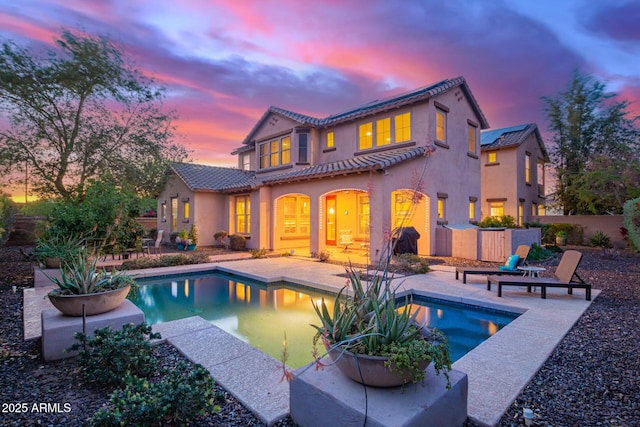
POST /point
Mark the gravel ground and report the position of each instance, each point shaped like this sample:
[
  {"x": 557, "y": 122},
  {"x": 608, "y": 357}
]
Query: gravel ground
[{"x": 591, "y": 379}]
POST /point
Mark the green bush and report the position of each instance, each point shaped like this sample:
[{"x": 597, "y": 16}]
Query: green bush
[
  {"x": 110, "y": 356},
  {"x": 180, "y": 398},
  {"x": 600, "y": 240},
  {"x": 237, "y": 242},
  {"x": 105, "y": 216},
  {"x": 506, "y": 221},
  {"x": 165, "y": 261},
  {"x": 538, "y": 253},
  {"x": 631, "y": 213}
]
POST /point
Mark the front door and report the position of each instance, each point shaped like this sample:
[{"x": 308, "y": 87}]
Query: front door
[{"x": 331, "y": 220}]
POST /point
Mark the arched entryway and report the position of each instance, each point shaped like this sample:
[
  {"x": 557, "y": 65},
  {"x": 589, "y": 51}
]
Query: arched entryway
[
  {"x": 292, "y": 222},
  {"x": 344, "y": 221}
]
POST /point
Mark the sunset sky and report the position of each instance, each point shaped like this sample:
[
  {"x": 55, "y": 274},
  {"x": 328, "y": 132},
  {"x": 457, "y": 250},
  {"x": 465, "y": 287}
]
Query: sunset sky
[{"x": 225, "y": 62}]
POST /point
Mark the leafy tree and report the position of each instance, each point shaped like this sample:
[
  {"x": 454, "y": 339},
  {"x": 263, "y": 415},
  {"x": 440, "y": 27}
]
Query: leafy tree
[
  {"x": 80, "y": 111},
  {"x": 589, "y": 125}
]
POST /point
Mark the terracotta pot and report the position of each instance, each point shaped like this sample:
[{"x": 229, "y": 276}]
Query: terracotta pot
[
  {"x": 97, "y": 303},
  {"x": 370, "y": 370}
]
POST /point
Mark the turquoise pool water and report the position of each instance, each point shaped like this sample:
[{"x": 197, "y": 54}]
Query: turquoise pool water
[{"x": 262, "y": 314}]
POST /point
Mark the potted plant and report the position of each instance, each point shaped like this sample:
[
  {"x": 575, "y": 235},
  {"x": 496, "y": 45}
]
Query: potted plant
[
  {"x": 85, "y": 289},
  {"x": 192, "y": 239},
  {"x": 55, "y": 250},
  {"x": 375, "y": 342},
  {"x": 181, "y": 239},
  {"x": 561, "y": 238}
]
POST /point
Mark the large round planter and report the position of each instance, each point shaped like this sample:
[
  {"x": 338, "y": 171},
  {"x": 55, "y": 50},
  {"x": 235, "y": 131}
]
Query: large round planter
[
  {"x": 180, "y": 246},
  {"x": 370, "y": 370},
  {"x": 97, "y": 303},
  {"x": 191, "y": 247}
]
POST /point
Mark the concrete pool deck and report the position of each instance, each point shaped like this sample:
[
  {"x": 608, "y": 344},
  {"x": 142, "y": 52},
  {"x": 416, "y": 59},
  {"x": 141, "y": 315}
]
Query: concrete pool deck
[{"x": 498, "y": 369}]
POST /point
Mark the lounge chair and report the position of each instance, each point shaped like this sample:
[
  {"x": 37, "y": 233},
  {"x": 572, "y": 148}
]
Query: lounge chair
[
  {"x": 563, "y": 278},
  {"x": 522, "y": 251}
]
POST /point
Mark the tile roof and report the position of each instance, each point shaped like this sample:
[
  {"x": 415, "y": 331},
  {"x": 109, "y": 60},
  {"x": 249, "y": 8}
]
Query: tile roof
[
  {"x": 377, "y": 106},
  {"x": 213, "y": 178},
  {"x": 510, "y": 137},
  {"x": 358, "y": 164}
]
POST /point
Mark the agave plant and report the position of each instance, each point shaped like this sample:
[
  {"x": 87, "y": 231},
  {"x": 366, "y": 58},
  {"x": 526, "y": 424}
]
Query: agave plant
[
  {"x": 82, "y": 276},
  {"x": 370, "y": 322}
]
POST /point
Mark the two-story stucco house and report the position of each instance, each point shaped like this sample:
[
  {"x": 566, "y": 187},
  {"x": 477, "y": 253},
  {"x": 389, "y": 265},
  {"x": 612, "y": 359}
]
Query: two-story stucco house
[
  {"x": 318, "y": 184},
  {"x": 513, "y": 172}
]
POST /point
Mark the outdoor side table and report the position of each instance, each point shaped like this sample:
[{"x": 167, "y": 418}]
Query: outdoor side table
[{"x": 531, "y": 271}]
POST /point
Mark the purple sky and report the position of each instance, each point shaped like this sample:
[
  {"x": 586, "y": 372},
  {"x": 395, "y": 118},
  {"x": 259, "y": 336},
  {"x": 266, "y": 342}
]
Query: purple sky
[{"x": 225, "y": 62}]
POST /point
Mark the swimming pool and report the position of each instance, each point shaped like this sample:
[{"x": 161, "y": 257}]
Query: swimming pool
[{"x": 262, "y": 314}]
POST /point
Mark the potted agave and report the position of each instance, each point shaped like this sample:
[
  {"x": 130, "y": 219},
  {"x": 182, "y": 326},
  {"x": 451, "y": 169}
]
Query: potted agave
[
  {"x": 374, "y": 341},
  {"x": 83, "y": 288}
]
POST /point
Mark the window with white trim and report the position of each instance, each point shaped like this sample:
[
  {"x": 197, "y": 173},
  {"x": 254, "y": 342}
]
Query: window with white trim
[{"x": 275, "y": 152}]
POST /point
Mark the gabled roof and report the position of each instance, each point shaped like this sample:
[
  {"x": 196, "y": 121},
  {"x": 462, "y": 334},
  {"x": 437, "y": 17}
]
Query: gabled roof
[
  {"x": 358, "y": 164},
  {"x": 511, "y": 137},
  {"x": 213, "y": 178},
  {"x": 374, "y": 107}
]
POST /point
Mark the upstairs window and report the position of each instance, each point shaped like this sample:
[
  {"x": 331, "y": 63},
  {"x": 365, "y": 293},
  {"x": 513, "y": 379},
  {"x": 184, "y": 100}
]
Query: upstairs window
[
  {"x": 403, "y": 127},
  {"x": 366, "y": 135},
  {"x": 492, "y": 157},
  {"x": 472, "y": 131},
  {"x": 330, "y": 140},
  {"x": 383, "y": 132},
  {"x": 275, "y": 152},
  {"x": 246, "y": 162},
  {"x": 303, "y": 148},
  {"x": 527, "y": 168},
  {"x": 441, "y": 125}
]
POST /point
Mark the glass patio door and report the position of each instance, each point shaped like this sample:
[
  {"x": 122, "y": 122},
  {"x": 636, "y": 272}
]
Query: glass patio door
[{"x": 331, "y": 220}]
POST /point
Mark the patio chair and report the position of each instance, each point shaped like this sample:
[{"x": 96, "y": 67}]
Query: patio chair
[
  {"x": 149, "y": 244},
  {"x": 522, "y": 251},
  {"x": 346, "y": 239},
  {"x": 563, "y": 278}
]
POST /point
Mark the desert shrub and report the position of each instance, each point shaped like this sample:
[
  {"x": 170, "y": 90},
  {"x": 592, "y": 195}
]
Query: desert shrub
[
  {"x": 110, "y": 356},
  {"x": 506, "y": 221},
  {"x": 165, "y": 261},
  {"x": 631, "y": 215},
  {"x": 181, "y": 397},
  {"x": 323, "y": 256},
  {"x": 258, "y": 253},
  {"x": 412, "y": 263},
  {"x": 538, "y": 253},
  {"x": 237, "y": 242},
  {"x": 600, "y": 240},
  {"x": 219, "y": 236}
]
